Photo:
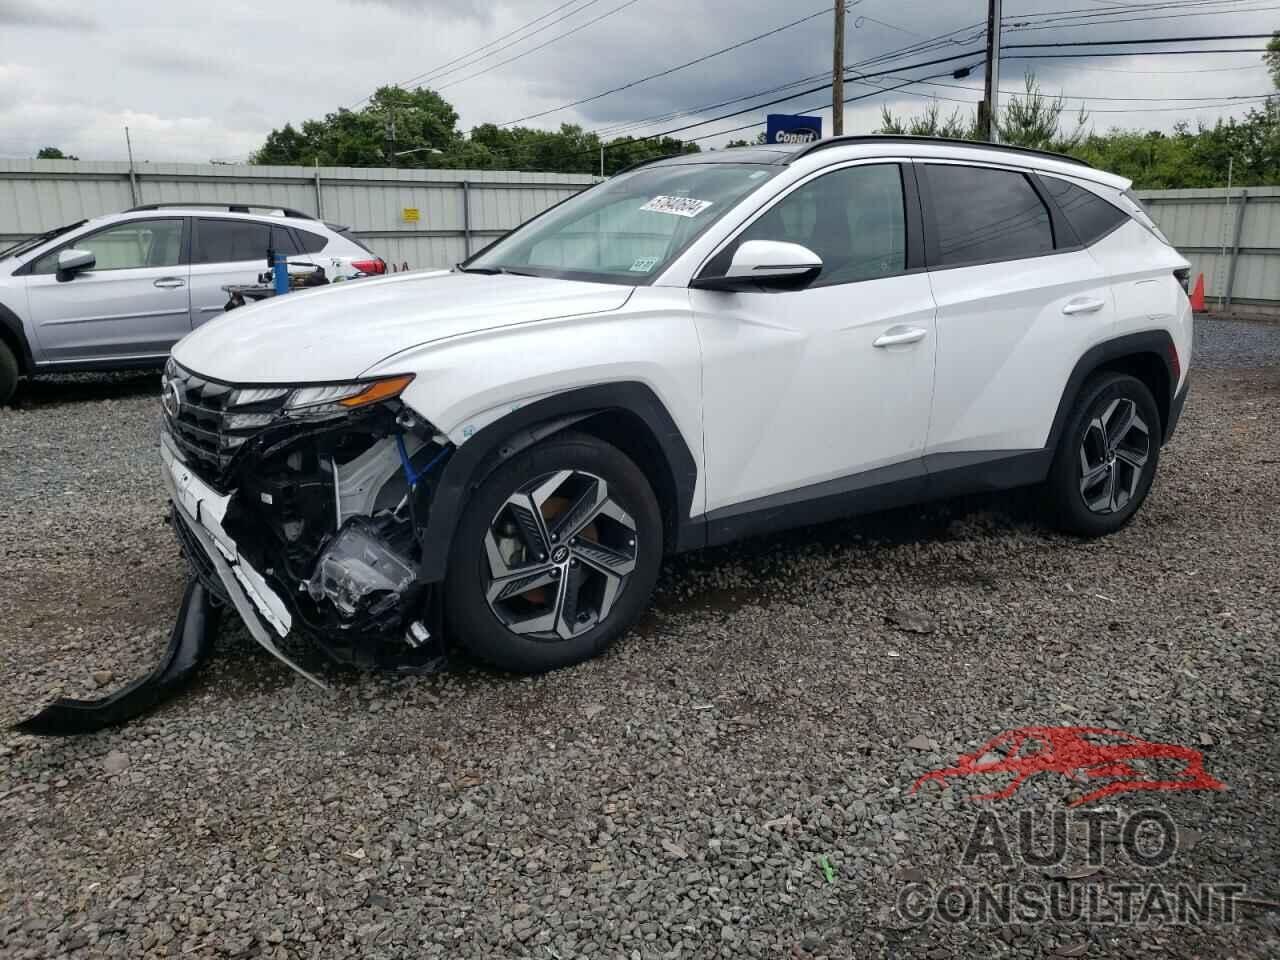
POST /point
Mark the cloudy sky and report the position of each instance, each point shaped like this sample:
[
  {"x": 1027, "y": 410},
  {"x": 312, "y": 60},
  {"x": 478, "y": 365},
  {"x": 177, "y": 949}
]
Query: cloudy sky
[{"x": 200, "y": 81}]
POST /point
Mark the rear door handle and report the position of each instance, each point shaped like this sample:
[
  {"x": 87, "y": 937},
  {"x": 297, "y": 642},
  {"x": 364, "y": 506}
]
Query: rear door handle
[
  {"x": 896, "y": 336},
  {"x": 170, "y": 283},
  {"x": 1083, "y": 305}
]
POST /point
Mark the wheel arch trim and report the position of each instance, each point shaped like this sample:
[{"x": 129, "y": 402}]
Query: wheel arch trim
[
  {"x": 13, "y": 336},
  {"x": 1155, "y": 343},
  {"x": 501, "y": 440}
]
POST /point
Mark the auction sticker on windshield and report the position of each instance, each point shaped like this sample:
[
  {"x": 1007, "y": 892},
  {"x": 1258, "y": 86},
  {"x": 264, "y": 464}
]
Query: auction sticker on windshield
[{"x": 677, "y": 206}]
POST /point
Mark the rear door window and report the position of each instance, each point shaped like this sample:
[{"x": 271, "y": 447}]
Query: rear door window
[
  {"x": 1091, "y": 217},
  {"x": 233, "y": 241},
  {"x": 982, "y": 214}
]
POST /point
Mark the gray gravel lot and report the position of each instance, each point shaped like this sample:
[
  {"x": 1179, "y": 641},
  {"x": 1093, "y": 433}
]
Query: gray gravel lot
[{"x": 675, "y": 798}]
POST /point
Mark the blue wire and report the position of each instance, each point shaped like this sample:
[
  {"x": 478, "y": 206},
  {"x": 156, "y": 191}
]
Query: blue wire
[{"x": 410, "y": 474}]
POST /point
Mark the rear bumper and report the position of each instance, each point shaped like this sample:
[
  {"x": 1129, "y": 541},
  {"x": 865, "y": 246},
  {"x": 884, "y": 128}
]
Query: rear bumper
[{"x": 1175, "y": 408}]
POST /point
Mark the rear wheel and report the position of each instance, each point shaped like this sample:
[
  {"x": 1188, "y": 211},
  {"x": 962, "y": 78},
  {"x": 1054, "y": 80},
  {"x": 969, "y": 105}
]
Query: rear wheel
[
  {"x": 556, "y": 554},
  {"x": 1107, "y": 456},
  {"x": 8, "y": 373}
]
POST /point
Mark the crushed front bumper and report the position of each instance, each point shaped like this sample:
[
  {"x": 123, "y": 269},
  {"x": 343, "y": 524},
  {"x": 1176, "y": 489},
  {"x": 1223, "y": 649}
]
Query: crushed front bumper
[{"x": 198, "y": 512}]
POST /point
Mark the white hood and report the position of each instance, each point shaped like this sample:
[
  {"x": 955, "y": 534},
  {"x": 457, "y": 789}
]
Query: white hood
[{"x": 340, "y": 331}]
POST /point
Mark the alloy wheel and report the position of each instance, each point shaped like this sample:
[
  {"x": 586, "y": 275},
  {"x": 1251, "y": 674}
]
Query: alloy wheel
[
  {"x": 1113, "y": 455},
  {"x": 559, "y": 553}
]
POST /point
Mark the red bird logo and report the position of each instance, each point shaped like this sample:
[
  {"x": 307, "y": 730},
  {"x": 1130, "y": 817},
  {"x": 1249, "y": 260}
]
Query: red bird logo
[{"x": 1084, "y": 755}]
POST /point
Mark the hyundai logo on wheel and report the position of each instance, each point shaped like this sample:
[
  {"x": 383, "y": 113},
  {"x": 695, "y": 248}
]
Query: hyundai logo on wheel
[{"x": 792, "y": 128}]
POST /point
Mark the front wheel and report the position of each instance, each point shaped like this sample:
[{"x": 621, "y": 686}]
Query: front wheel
[
  {"x": 555, "y": 555},
  {"x": 1107, "y": 456}
]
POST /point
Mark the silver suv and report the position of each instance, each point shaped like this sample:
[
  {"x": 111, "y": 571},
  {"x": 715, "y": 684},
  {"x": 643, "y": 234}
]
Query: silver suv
[{"x": 116, "y": 292}]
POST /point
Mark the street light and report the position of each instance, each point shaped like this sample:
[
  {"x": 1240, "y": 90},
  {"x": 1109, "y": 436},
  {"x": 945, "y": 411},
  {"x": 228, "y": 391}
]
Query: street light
[{"x": 405, "y": 153}]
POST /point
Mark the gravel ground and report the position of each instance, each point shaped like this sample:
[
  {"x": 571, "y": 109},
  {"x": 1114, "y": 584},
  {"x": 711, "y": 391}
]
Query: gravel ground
[{"x": 677, "y": 797}]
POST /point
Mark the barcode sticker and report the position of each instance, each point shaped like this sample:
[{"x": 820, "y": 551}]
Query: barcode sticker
[{"x": 677, "y": 206}]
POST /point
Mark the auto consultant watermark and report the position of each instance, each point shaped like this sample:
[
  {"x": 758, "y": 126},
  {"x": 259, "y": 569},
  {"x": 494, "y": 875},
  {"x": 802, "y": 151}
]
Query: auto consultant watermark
[
  {"x": 1067, "y": 847},
  {"x": 1074, "y": 857}
]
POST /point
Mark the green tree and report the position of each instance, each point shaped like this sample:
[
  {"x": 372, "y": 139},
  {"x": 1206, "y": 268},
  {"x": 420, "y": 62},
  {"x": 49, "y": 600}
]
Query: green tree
[
  {"x": 394, "y": 120},
  {"x": 1272, "y": 57},
  {"x": 53, "y": 153}
]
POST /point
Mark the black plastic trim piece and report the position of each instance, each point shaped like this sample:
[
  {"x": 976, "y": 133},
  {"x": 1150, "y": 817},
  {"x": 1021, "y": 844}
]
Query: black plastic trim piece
[
  {"x": 932, "y": 477},
  {"x": 494, "y": 444},
  {"x": 1156, "y": 342},
  {"x": 14, "y": 335},
  {"x": 892, "y": 486},
  {"x": 1064, "y": 234},
  {"x": 101, "y": 364},
  {"x": 190, "y": 642}
]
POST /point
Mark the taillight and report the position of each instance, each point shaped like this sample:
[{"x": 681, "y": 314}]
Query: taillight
[
  {"x": 1175, "y": 364},
  {"x": 370, "y": 266},
  {"x": 1184, "y": 279}
]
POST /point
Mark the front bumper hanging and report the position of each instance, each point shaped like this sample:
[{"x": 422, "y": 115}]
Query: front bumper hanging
[{"x": 189, "y": 644}]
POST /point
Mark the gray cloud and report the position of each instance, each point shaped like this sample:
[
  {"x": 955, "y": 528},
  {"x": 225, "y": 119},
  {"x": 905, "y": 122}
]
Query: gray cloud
[
  {"x": 18, "y": 13},
  {"x": 202, "y": 82}
]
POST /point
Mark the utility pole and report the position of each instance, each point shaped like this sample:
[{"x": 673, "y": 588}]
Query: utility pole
[
  {"x": 989, "y": 109},
  {"x": 133, "y": 178},
  {"x": 389, "y": 132},
  {"x": 837, "y": 72}
]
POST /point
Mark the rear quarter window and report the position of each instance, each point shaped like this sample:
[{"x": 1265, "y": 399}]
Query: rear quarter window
[{"x": 1091, "y": 217}]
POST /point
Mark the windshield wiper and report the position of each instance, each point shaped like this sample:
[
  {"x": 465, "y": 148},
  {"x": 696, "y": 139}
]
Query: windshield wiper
[
  {"x": 493, "y": 271},
  {"x": 22, "y": 246}
]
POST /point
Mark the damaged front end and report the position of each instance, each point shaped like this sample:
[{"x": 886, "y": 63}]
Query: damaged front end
[{"x": 299, "y": 507}]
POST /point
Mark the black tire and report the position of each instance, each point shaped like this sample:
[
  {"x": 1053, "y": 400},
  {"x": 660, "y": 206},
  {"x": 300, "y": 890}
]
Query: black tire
[
  {"x": 8, "y": 374},
  {"x": 469, "y": 617},
  {"x": 1069, "y": 492}
]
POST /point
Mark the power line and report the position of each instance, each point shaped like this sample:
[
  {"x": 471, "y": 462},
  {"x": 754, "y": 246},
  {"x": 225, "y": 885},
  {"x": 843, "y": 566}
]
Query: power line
[
  {"x": 442, "y": 71},
  {"x": 1051, "y": 25},
  {"x": 671, "y": 70},
  {"x": 547, "y": 43},
  {"x": 941, "y": 40},
  {"x": 1076, "y": 96},
  {"x": 1144, "y": 40},
  {"x": 485, "y": 46},
  {"x": 1130, "y": 53},
  {"x": 915, "y": 66}
]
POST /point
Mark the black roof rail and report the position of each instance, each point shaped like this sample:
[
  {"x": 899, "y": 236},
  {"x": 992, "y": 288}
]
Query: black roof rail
[
  {"x": 231, "y": 207},
  {"x": 947, "y": 141}
]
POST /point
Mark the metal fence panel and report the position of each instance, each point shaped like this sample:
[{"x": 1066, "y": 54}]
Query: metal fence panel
[
  {"x": 457, "y": 211},
  {"x": 1234, "y": 240},
  {"x": 460, "y": 211}
]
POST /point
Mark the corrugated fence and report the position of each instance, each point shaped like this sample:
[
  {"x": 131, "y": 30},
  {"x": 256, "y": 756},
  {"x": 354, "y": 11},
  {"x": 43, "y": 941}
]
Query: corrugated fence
[
  {"x": 433, "y": 218},
  {"x": 422, "y": 218},
  {"x": 1234, "y": 240}
]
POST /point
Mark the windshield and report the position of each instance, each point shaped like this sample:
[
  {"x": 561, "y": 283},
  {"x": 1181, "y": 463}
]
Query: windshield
[
  {"x": 22, "y": 246},
  {"x": 626, "y": 230}
]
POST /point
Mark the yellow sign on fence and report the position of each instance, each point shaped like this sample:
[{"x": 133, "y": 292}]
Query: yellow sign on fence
[{"x": 409, "y": 214}]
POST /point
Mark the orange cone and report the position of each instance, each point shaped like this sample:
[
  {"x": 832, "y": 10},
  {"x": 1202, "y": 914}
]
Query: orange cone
[{"x": 1197, "y": 295}]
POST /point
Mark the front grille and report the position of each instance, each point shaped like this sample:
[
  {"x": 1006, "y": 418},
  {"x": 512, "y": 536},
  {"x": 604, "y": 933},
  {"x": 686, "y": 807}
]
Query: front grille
[{"x": 209, "y": 421}]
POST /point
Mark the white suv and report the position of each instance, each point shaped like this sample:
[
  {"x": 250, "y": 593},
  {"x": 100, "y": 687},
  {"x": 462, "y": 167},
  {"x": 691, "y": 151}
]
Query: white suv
[
  {"x": 116, "y": 292},
  {"x": 701, "y": 349}
]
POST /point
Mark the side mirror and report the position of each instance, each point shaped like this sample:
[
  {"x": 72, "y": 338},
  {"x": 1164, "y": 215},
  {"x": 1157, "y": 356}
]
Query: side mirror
[
  {"x": 71, "y": 262},
  {"x": 766, "y": 263}
]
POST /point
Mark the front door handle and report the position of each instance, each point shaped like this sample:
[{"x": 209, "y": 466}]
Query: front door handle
[
  {"x": 1083, "y": 305},
  {"x": 896, "y": 336},
  {"x": 170, "y": 283}
]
